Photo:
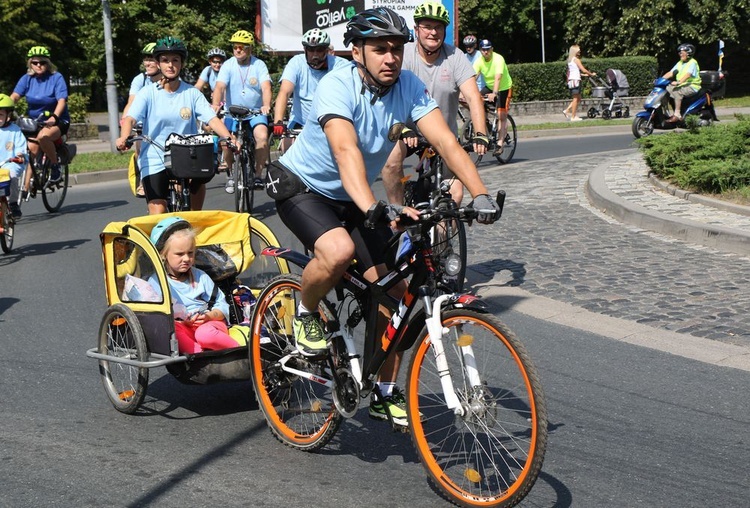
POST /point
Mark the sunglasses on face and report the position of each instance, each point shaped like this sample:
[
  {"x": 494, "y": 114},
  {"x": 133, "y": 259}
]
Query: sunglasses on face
[
  {"x": 216, "y": 62},
  {"x": 239, "y": 47},
  {"x": 38, "y": 62}
]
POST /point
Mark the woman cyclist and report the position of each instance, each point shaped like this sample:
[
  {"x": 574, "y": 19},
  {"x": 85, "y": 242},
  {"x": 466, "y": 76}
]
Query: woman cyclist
[
  {"x": 216, "y": 57},
  {"x": 170, "y": 106},
  {"x": 47, "y": 95}
]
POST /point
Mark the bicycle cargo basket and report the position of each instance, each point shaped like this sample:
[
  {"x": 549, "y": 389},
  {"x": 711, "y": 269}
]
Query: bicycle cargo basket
[{"x": 191, "y": 156}]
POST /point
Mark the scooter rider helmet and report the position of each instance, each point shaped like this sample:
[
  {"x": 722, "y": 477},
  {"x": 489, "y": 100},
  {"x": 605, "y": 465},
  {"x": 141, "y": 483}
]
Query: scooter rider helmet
[
  {"x": 316, "y": 38},
  {"x": 432, "y": 10},
  {"x": 374, "y": 24},
  {"x": 687, "y": 48},
  {"x": 165, "y": 228},
  {"x": 470, "y": 41},
  {"x": 7, "y": 103}
]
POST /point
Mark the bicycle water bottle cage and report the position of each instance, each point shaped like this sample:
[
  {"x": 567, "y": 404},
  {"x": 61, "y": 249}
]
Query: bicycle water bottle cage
[{"x": 239, "y": 111}]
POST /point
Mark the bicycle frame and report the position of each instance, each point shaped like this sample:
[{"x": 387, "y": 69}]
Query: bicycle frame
[{"x": 415, "y": 262}]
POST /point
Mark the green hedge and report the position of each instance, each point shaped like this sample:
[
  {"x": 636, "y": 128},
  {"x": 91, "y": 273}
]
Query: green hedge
[{"x": 546, "y": 81}]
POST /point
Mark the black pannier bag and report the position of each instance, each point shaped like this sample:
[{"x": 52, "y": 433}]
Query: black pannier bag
[{"x": 190, "y": 156}]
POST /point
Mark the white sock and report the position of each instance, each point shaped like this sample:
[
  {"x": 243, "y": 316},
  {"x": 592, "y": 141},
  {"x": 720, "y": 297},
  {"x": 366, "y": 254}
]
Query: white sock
[
  {"x": 386, "y": 388},
  {"x": 302, "y": 310}
]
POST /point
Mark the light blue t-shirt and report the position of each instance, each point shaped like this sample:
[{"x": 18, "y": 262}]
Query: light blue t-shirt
[
  {"x": 139, "y": 82},
  {"x": 243, "y": 82},
  {"x": 12, "y": 143},
  {"x": 163, "y": 113},
  {"x": 209, "y": 76},
  {"x": 305, "y": 80},
  {"x": 473, "y": 58},
  {"x": 194, "y": 296},
  {"x": 341, "y": 94}
]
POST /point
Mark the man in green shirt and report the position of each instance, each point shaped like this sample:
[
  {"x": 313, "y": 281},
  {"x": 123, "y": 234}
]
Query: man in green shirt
[{"x": 493, "y": 68}]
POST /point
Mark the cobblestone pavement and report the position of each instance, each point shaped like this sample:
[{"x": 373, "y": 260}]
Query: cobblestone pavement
[{"x": 553, "y": 243}]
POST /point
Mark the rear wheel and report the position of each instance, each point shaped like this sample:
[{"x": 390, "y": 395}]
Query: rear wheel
[
  {"x": 53, "y": 195},
  {"x": 492, "y": 453},
  {"x": 121, "y": 336},
  {"x": 300, "y": 411},
  {"x": 592, "y": 112},
  {"x": 8, "y": 225},
  {"x": 243, "y": 182},
  {"x": 509, "y": 143},
  {"x": 642, "y": 127}
]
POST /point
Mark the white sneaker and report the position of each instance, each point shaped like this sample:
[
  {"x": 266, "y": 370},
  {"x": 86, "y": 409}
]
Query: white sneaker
[
  {"x": 576, "y": 119},
  {"x": 230, "y": 186}
]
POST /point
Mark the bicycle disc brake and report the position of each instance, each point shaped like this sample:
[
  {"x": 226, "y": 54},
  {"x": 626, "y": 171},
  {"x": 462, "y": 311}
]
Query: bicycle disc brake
[{"x": 346, "y": 393}]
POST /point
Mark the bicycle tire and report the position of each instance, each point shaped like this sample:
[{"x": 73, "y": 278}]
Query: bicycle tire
[
  {"x": 492, "y": 455},
  {"x": 54, "y": 195},
  {"x": 249, "y": 195},
  {"x": 509, "y": 143},
  {"x": 300, "y": 413},
  {"x": 242, "y": 182},
  {"x": 121, "y": 335},
  {"x": 448, "y": 238},
  {"x": 8, "y": 223}
]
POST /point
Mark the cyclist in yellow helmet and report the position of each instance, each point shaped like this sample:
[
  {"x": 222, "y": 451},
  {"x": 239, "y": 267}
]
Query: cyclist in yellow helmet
[
  {"x": 244, "y": 80},
  {"x": 47, "y": 96},
  {"x": 447, "y": 73},
  {"x": 12, "y": 151}
]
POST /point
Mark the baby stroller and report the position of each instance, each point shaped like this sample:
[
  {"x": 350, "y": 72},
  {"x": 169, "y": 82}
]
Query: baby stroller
[{"x": 614, "y": 87}]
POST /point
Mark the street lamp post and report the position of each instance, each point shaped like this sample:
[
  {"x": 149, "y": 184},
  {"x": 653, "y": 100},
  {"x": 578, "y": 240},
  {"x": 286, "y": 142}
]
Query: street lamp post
[
  {"x": 541, "y": 24},
  {"x": 111, "y": 84}
]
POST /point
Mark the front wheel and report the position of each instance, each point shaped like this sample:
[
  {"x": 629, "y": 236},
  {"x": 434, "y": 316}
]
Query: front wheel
[
  {"x": 449, "y": 247},
  {"x": 8, "y": 225},
  {"x": 491, "y": 453},
  {"x": 508, "y": 144},
  {"x": 291, "y": 389},
  {"x": 243, "y": 169},
  {"x": 53, "y": 195},
  {"x": 642, "y": 127},
  {"x": 121, "y": 336}
]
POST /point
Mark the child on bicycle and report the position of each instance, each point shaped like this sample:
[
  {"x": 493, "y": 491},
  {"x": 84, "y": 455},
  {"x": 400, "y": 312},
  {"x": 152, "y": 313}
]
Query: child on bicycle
[
  {"x": 12, "y": 151},
  {"x": 200, "y": 308}
]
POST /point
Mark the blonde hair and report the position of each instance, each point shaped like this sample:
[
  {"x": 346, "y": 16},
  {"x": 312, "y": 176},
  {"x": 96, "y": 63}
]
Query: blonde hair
[
  {"x": 186, "y": 232},
  {"x": 573, "y": 52},
  {"x": 51, "y": 68}
]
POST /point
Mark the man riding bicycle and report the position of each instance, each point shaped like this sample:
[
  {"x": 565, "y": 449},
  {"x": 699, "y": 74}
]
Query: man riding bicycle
[
  {"x": 497, "y": 87},
  {"x": 244, "y": 81},
  {"x": 322, "y": 185},
  {"x": 447, "y": 73},
  {"x": 300, "y": 80}
]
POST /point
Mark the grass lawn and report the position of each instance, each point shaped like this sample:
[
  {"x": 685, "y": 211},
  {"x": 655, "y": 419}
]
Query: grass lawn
[{"x": 99, "y": 161}]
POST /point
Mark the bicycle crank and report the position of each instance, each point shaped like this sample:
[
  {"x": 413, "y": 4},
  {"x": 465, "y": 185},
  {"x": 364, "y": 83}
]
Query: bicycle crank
[{"x": 346, "y": 393}]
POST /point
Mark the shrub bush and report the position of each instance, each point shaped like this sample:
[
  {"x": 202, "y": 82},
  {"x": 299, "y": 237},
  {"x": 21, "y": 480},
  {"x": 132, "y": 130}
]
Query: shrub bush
[
  {"x": 711, "y": 160},
  {"x": 546, "y": 81},
  {"x": 78, "y": 104}
]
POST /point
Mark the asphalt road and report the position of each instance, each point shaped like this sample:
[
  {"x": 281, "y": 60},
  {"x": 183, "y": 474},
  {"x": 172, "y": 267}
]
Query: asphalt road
[{"x": 629, "y": 426}]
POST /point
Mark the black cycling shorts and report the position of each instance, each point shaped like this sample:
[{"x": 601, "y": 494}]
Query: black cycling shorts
[
  {"x": 156, "y": 186},
  {"x": 308, "y": 216}
]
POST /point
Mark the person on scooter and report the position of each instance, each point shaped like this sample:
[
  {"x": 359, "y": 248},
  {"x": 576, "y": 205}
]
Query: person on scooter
[{"x": 686, "y": 79}]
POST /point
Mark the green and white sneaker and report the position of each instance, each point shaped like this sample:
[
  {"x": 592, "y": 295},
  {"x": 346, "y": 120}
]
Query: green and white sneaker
[
  {"x": 395, "y": 405},
  {"x": 309, "y": 335}
]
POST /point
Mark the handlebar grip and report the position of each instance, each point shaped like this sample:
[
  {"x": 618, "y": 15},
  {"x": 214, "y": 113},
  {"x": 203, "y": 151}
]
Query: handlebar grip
[{"x": 374, "y": 214}]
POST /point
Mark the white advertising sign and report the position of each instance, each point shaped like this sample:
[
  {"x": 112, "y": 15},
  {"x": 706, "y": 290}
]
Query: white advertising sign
[{"x": 284, "y": 21}]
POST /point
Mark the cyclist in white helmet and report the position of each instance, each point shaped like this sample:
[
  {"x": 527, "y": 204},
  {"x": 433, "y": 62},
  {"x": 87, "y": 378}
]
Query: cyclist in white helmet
[
  {"x": 300, "y": 80},
  {"x": 215, "y": 57}
]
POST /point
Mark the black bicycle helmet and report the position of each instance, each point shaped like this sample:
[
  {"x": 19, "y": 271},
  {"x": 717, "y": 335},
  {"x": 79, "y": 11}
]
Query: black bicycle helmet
[
  {"x": 171, "y": 45},
  {"x": 374, "y": 24},
  {"x": 688, "y": 48}
]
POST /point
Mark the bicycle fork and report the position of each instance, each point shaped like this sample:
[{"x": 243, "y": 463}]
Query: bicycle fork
[{"x": 436, "y": 331}]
